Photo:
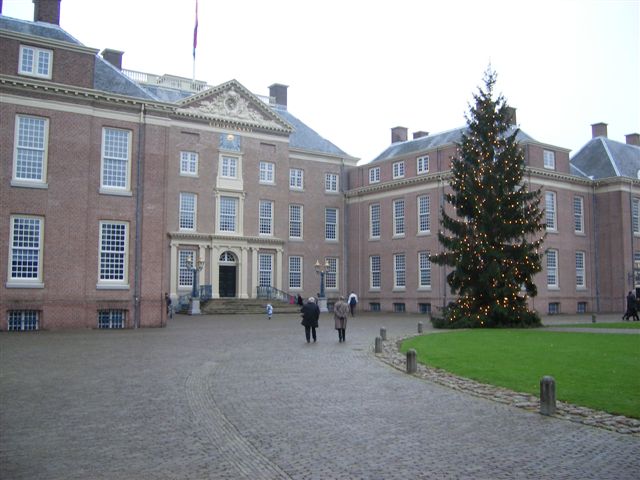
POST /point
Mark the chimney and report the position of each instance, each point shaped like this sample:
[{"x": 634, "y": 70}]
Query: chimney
[
  {"x": 599, "y": 130},
  {"x": 419, "y": 134},
  {"x": 114, "y": 57},
  {"x": 278, "y": 93},
  {"x": 398, "y": 134},
  {"x": 47, "y": 11},
  {"x": 511, "y": 116},
  {"x": 633, "y": 139}
]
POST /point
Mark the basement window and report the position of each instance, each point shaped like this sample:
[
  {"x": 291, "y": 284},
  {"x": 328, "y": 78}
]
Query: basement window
[
  {"x": 23, "y": 320},
  {"x": 111, "y": 319}
]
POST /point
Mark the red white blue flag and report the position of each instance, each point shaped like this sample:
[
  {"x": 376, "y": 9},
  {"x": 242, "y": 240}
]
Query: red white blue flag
[{"x": 195, "y": 33}]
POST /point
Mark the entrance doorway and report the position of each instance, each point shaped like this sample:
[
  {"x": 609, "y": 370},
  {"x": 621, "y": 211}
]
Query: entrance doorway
[{"x": 227, "y": 277}]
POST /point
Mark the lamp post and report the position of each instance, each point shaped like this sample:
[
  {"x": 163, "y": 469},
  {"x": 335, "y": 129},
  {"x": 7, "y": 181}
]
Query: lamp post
[
  {"x": 321, "y": 269},
  {"x": 194, "y": 267}
]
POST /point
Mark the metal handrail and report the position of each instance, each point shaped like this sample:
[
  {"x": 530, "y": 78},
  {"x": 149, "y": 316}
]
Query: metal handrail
[{"x": 273, "y": 293}]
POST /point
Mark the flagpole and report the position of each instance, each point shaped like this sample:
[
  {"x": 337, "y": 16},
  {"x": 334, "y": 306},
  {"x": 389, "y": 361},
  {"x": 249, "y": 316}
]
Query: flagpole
[{"x": 195, "y": 44}]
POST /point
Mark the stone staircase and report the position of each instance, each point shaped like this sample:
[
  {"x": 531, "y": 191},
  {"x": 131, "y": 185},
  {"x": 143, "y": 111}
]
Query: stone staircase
[{"x": 227, "y": 306}]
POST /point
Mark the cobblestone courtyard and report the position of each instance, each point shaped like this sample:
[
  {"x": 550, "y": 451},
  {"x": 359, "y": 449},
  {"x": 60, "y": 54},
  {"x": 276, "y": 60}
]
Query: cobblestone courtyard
[{"x": 240, "y": 397}]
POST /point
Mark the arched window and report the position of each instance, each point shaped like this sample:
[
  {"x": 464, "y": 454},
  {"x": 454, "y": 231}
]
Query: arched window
[{"x": 227, "y": 257}]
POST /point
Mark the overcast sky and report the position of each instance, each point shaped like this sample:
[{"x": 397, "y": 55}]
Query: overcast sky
[{"x": 357, "y": 69}]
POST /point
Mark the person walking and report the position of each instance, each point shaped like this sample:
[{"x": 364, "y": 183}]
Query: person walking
[
  {"x": 353, "y": 301},
  {"x": 310, "y": 314},
  {"x": 269, "y": 311},
  {"x": 632, "y": 310},
  {"x": 299, "y": 300},
  {"x": 340, "y": 313},
  {"x": 167, "y": 299}
]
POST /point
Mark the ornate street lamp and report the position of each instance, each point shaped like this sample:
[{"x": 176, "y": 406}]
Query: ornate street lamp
[
  {"x": 194, "y": 267},
  {"x": 321, "y": 270}
]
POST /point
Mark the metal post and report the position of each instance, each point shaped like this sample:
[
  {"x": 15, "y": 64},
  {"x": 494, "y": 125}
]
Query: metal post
[{"x": 547, "y": 395}]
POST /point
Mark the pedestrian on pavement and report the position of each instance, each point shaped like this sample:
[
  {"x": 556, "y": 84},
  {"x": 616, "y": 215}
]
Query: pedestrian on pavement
[
  {"x": 340, "y": 313},
  {"x": 269, "y": 311},
  {"x": 632, "y": 310},
  {"x": 167, "y": 299},
  {"x": 353, "y": 301},
  {"x": 310, "y": 314},
  {"x": 300, "y": 302}
]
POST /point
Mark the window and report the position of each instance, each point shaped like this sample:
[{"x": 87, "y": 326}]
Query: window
[
  {"x": 30, "y": 155},
  {"x": 113, "y": 252},
  {"x": 422, "y": 164},
  {"x": 374, "y": 175},
  {"x": 23, "y": 320},
  {"x": 189, "y": 163},
  {"x": 580, "y": 270},
  {"x": 35, "y": 61},
  {"x": 116, "y": 153},
  {"x": 424, "y": 308},
  {"x": 187, "y": 220},
  {"x": 375, "y": 272},
  {"x": 424, "y": 264},
  {"x": 295, "y": 272},
  {"x": 374, "y": 220},
  {"x": 267, "y": 172},
  {"x": 295, "y": 221},
  {"x": 229, "y": 167},
  {"x": 331, "y": 276},
  {"x": 578, "y": 214},
  {"x": 424, "y": 214},
  {"x": 185, "y": 276},
  {"x": 111, "y": 318},
  {"x": 582, "y": 307},
  {"x": 398, "y": 170},
  {"x": 26, "y": 250},
  {"x": 552, "y": 268},
  {"x": 227, "y": 217},
  {"x": 550, "y": 210},
  {"x": 265, "y": 264},
  {"x": 398, "y": 217},
  {"x": 635, "y": 215},
  {"x": 399, "y": 271},
  {"x": 399, "y": 308},
  {"x": 554, "y": 308},
  {"x": 549, "y": 159},
  {"x": 266, "y": 217},
  {"x": 331, "y": 182},
  {"x": 374, "y": 306},
  {"x": 296, "y": 179},
  {"x": 331, "y": 223}
]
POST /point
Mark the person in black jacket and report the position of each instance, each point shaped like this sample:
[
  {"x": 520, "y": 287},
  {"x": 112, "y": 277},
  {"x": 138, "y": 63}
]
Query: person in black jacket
[
  {"x": 632, "y": 310},
  {"x": 310, "y": 314}
]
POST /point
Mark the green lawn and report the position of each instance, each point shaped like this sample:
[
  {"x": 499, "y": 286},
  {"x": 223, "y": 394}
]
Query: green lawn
[
  {"x": 624, "y": 325},
  {"x": 600, "y": 371}
]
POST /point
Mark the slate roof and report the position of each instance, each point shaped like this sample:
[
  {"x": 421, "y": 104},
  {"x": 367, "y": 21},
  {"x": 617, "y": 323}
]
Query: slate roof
[
  {"x": 432, "y": 141},
  {"x": 37, "y": 29},
  {"x": 603, "y": 158}
]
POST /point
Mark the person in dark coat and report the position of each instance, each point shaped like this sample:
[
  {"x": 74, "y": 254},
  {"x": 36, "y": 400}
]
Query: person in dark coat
[
  {"x": 299, "y": 300},
  {"x": 340, "y": 313},
  {"x": 310, "y": 314},
  {"x": 632, "y": 310}
]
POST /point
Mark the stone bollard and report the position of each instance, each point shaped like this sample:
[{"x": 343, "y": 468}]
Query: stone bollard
[
  {"x": 593, "y": 318},
  {"x": 419, "y": 327},
  {"x": 378, "y": 345},
  {"x": 383, "y": 334},
  {"x": 412, "y": 362},
  {"x": 547, "y": 395}
]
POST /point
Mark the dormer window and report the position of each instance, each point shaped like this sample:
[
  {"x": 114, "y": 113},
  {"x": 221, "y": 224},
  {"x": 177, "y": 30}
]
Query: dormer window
[
  {"x": 549, "y": 159},
  {"x": 35, "y": 62}
]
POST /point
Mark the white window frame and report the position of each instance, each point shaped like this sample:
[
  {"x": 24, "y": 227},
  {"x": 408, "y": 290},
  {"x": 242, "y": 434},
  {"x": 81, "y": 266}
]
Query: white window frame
[
  {"x": 374, "y": 175},
  {"x": 375, "y": 272},
  {"x": 185, "y": 275},
  {"x": 112, "y": 318},
  {"x": 34, "y": 146},
  {"x": 422, "y": 164},
  {"x": 331, "y": 228},
  {"x": 578, "y": 214},
  {"x": 549, "y": 159},
  {"x": 265, "y": 269},
  {"x": 24, "y": 250},
  {"x": 374, "y": 221},
  {"x": 399, "y": 271},
  {"x": 399, "y": 227},
  {"x": 113, "y": 256},
  {"x": 265, "y": 218},
  {"x": 331, "y": 182},
  {"x": 229, "y": 166},
  {"x": 227, "y": 219},
  {"x": 34, "y": 68},
  {"x": 296, "y": 179},
  {"x": 23, "y": 320},
  {"x": 424, "y": 270},
  {"x": 398, "y": 169},
  {"x": 331, "y": 275},
  {"x": 189, "y": 164},
  {"x": 295, "y": 272},
  {"x": 552, "y": 269},
  {"x": 635, "y": 216},
  {"x": 188, "y": 212},
  {"x": 296, "y": 225},
  {"x": 581, "y": 269},
  {"x": 267, "y": 173},
  {"x": 550, "y": 211},
  {"x": 122, "y": 162},
  {"x": 424, "y": 214}
]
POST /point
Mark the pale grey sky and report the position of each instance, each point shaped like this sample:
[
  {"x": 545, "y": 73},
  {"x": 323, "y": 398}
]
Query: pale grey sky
[{"x": 357, "y": 69}]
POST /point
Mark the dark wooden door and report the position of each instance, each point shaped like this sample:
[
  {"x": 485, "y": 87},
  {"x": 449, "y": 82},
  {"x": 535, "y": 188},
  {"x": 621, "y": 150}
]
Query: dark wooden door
[{"x": 227, "y": 281}]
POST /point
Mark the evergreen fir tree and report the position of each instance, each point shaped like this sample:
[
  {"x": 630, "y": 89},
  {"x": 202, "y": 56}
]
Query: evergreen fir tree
[{"x": 492, "y": 242}]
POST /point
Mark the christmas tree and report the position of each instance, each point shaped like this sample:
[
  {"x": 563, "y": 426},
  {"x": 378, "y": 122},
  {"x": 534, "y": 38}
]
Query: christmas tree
[{"x": 493, "y": 241}]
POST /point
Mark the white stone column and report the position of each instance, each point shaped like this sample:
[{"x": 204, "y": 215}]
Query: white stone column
[
  {"x": 278, "y": 269},
  {"x": 202, "y": 255},
  {"x": 173, "y": 273},
  {"x": 254, "y": 272},
  {"x": 243, "y": 271},
  {"x": 215, "y": 272}
]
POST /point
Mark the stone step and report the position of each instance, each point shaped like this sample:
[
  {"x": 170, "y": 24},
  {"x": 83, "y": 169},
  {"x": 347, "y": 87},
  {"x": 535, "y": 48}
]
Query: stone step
[{"x": 245, "y": 306}]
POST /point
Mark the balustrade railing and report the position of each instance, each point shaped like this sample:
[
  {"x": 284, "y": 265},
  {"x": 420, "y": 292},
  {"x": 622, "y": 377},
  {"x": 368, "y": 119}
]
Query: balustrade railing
[{"x": 273, "y": 293}]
